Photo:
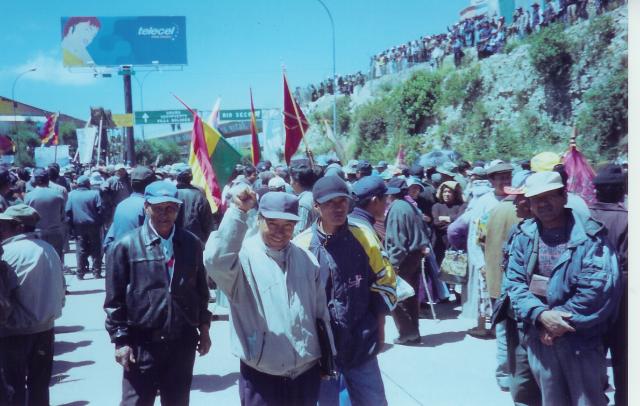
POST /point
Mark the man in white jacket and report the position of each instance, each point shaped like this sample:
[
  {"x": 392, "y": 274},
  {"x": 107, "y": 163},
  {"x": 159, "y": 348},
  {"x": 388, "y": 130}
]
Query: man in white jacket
[{"x": 276, "y": 296}]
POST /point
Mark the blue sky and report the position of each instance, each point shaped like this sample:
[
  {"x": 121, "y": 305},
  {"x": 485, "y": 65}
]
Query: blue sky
[{"x": 231, "y": 45}]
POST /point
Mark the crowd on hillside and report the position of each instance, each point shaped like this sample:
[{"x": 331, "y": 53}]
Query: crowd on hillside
[
  {"x": 487, "y": 35},
  {"x": 310, "y": 259}
]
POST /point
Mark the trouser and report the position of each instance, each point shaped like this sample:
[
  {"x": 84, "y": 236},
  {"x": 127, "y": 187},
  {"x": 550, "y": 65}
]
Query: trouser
[
  {"x": 524, "y": 389},
  {"x": 88, "y": 244},
  {"x": 260, "y": 389},
  {"x": 406, "y": 313},
  {"x": 165, "y": 366},
  {"x": 364, "y": 385},
  {"x": 56, "y": 238},
  {"x": 568, "y": 375},
  {"x": 617, "y": 340},
  {"x": 502, "y": 369},
  {"x": 25, "y": 368}
]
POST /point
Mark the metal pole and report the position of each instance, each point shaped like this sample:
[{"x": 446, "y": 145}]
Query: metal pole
[
  {"x": 128, "y": 108},
  {"x": 335, "y": 87},
  {"x": 13, "y": 98},
  {"x": 141, "y": 85}
]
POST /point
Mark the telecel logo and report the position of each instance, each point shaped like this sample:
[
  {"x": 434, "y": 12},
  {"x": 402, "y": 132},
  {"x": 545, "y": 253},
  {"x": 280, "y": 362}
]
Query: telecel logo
[{"x": 155, "y": 32}]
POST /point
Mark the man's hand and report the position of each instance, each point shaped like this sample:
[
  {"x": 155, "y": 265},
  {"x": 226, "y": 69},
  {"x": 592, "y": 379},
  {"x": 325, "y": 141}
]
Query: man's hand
[
  {"x": 243, "y": 197},
  {"x": 204, "y": 341},
  {"x": 554, "y": 322},
  {"x": 546, "y": 337},
  {"x": 425, "y": 251},
  {"x": 124, "y": 356}
]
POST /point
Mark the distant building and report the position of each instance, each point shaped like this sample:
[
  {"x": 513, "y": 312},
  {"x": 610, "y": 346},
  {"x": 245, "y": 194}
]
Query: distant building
[
  {"x": 491, "y": 8},
  {"x": 27, "y": 113}
]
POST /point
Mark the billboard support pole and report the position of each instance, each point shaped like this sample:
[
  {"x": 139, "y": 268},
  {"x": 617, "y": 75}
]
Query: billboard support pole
[{"x": 128, "y": 109}]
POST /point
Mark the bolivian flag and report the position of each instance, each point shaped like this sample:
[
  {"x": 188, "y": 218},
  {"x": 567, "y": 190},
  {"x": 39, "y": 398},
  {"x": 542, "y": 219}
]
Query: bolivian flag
[{"x": 212, "y": 160}]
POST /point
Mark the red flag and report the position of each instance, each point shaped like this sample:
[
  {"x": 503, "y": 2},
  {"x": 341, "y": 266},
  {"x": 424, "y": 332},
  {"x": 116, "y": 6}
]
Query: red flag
[
  {"x": 255, "y": 144},
  {"x": 295, "y": 123},
  {"x": 580, "y": 174},
  {"x": 50, "y": 130}
]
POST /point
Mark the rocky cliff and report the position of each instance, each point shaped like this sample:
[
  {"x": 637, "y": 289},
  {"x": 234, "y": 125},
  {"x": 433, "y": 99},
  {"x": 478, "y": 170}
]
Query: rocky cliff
[{"x": 511, "y": 105}]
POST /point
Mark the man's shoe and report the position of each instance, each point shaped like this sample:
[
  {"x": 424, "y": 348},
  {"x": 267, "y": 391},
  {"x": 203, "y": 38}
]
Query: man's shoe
[
  {"x": 409, "y": 340},
  {"x": 97, "y": 275},
  {"x": 80, "y": 276},
  {"x": 479, "y": 332}
]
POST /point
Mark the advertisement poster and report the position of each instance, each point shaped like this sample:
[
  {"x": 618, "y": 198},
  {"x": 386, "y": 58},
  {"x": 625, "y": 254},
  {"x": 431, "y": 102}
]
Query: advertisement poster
[{"x": 116, "y": 41}]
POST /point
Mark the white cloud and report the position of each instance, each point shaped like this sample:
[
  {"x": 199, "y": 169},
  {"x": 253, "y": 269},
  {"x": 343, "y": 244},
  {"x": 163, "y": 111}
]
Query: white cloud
[{"x": 49, "y": 69}]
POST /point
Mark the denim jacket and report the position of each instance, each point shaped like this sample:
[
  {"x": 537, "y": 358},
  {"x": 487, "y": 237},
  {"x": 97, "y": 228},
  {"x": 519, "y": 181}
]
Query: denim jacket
[{"x": 584, "y": 282}]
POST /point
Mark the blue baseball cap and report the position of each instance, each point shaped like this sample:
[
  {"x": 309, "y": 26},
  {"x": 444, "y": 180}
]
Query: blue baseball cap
[
  {"x": 161, "y": 191},
  {"x": 330, "y": 187},
  {"x": 370, "y": 186},
  {"x": 279, "y": 205}
]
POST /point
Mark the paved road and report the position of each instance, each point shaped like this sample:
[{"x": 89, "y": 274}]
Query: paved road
[{"x": 449, "y": 368}]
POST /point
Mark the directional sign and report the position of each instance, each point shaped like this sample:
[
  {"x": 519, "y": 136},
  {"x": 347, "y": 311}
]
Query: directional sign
[
  {"x": 237, "y": 128},
  {"x": 238, "y": 115},
  {"x": 164, "y": 117}
]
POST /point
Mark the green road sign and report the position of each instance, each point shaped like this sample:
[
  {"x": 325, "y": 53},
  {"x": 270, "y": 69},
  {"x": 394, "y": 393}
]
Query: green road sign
[
  {"x": 164, "y": 117},
  {"x": 238, "y": 115}
]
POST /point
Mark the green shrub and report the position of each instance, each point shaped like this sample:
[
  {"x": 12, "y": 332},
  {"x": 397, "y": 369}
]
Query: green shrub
[
  {"x": 604, "y": 117},
  {"x": 550, "y": 53},
  {"x": 412, "y": 104},
  {"x": 461, "y": 87}
]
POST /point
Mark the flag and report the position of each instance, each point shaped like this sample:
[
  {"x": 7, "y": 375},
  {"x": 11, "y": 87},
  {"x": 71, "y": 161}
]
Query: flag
[
  {"x": 339, "y": 148},
  {"x": 255, "y": 144},
  {"x": 49, "y": 130},
  {"x": 212, "y": 160},
  {"x": 295, "y": 123},
  {"x": 214, "y": 117},
  {"x": 400, "y": 156},
  {"x": 579, "y": 174}
]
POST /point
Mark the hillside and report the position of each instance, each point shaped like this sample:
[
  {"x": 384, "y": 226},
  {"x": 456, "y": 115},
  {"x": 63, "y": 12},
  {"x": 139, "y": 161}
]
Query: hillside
[{"x": 510, "y": 105}]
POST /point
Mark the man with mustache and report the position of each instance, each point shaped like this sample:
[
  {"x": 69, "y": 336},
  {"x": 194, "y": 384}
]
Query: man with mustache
[{"x": 563, "y": 281}]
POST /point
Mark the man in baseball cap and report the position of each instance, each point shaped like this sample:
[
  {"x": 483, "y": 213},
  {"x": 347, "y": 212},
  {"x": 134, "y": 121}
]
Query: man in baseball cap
[
  {"x": 564, "y": 283},
  {"x": 156, "y": 302},
  {"x": 371, "y": 200},
  {"x": 287, "y": 370},
  {"x": 362, "y": 284}
]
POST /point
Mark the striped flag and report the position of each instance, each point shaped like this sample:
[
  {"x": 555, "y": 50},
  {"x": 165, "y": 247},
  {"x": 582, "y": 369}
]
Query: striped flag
[
  {"x": 49, "y": 130},
  {"x": 295, "y": 123},
  {"x": 212, "y": 160},
  {"x": 255, "y": 144}
]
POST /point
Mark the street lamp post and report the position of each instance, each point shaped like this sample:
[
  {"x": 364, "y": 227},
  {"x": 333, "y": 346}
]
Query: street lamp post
[
  {"x": 335, "y": 87},
  {"x": 13, "y": 98},
  {"x": 141, "y": 85}
]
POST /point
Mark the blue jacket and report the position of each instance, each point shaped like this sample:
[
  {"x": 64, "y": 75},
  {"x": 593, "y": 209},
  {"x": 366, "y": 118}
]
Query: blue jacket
[
  {"x": 129, "y": 215},
  {"x": 84, "y": 207},
  {"x": 360, "y": 285},
  {"x": 585, "y": 282}
]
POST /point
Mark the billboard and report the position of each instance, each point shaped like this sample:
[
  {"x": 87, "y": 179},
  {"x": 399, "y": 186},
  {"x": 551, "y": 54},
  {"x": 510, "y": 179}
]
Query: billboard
[{"x": 115, "y": 41}]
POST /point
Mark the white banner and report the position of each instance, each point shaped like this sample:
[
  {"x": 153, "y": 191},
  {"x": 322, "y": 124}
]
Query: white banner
[
  {"x": 86, "y": 143},
  {"x": 48, "y": 155}
]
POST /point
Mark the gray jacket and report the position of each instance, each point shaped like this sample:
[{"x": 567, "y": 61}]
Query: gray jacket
[
  {"x": 273, "y": 311},
  {"x": 36, "y": 285}
]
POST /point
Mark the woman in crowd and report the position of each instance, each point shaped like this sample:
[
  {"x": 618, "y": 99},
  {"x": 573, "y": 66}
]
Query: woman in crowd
[{"x": 450, "y": 205}]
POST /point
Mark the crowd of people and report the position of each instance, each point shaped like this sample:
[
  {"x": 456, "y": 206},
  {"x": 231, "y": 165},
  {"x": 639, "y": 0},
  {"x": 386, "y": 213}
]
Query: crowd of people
[
  {"x": 310, "y": 259},
  {"x": 488, "y": 35}
]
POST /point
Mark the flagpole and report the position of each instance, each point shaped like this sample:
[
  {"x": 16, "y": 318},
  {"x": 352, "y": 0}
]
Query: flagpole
[{"x": 99, "y": 141}]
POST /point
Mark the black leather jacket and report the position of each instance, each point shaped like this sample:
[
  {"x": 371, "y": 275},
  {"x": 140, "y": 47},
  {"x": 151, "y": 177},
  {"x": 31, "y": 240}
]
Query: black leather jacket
[{"x": 140, "y": 304}]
